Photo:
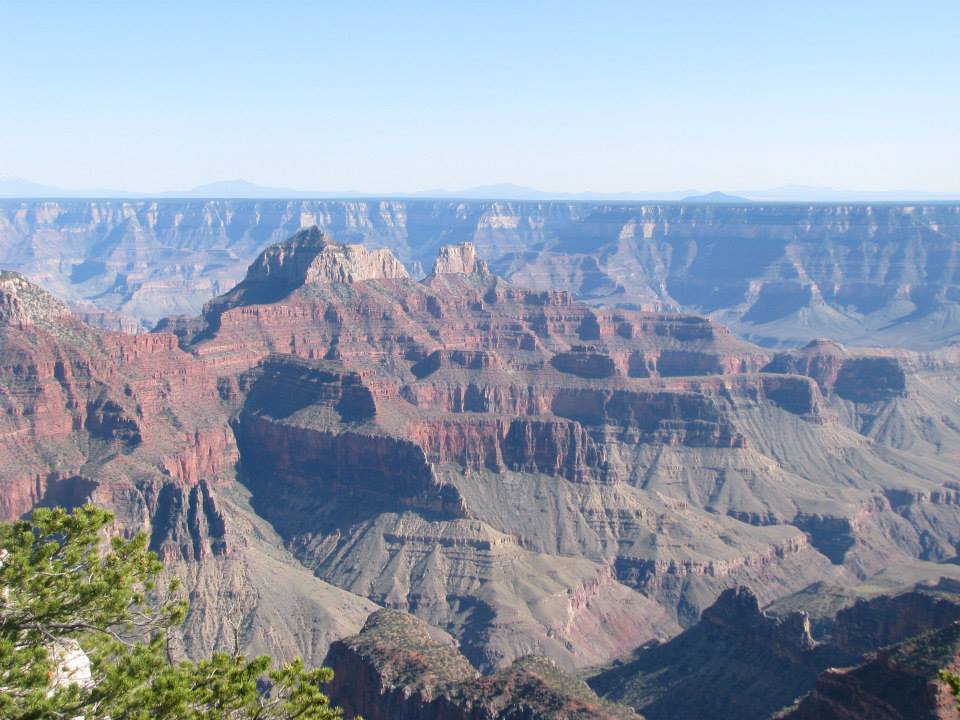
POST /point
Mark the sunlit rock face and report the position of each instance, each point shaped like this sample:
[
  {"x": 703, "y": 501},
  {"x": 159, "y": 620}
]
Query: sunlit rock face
[
  {"x": 778, "y": 274},
  {"x": 134, "y": 423},
  {"x": 431, "y": 421},
  {"x": 460, "y": 258},
  {"x": 530, "y": 473},
  {"x": 400, "y": 667}
]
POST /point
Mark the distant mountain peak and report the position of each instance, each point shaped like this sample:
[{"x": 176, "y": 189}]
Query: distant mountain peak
[
  {"x": 242, "y": 189},
  {"x": 235, "y": 189},
  {"x": 288, "y": 261},
  {"x": 716, "y": 197}
]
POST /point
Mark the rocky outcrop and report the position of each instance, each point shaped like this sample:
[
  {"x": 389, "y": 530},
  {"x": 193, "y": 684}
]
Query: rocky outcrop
[
  {"x": 652, "y": 575},
  {"x": 669, "y": 418},
  {"x": 457, "y": 397},
  {"x": 885, "y": 620},
  {"x": 530, "y": 473},
  {"x": 460, "y": 258},
  {"x": 736, "y": 662},
  {"x": 372, "y": 468},
  {"x": 897, "y": 683},
  {"x": 781, "y": 273},
  {"x": 134, "y": 423},
  {"x": 465, "y": 359},
  {"x": 858, "y": 378},
  {"x": 395, "y": 669},
  {"x": 869, "y": 379},
  {"x": 311, "y": 257},
  {"x": 287, "y": 265},
  {"x": 554, "y": 448},
  {"x": 752, "y": 659},
  {"x": 22, "y": 303},
  {"x": 282, "y": 385},
  {"x": 188, "y": 524},
  {"x": 584, "y": 363},
  {"x": 80, "y": 407},
  {"x": 353, "y": 263},
  {"x": 308, "y": 258}
]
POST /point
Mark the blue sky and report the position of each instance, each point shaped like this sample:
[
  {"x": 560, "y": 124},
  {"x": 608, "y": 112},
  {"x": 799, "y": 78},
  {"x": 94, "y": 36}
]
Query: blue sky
[{"x": 384, "y": 97}]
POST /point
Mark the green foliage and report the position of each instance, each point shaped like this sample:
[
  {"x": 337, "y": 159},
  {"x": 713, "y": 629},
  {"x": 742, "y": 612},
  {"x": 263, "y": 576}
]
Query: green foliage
[
  {"x": 64, "y": 588},
  {"x": 952, "y": 680}
]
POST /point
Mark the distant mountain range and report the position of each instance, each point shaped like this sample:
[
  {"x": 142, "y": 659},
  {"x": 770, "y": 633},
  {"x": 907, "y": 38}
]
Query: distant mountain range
[
  {"x": 243, "y": 189},
  {"x": 717, "y": 197}
]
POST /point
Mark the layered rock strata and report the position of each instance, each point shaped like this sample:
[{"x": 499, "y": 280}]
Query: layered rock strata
[
  {"x": 779, "y": 273},
  {"x": 529, "y": 473},
  {"x": 395, "y": 669},
  {"x": 134, "y": 423},
  {"x": 897, "y": 683},
  {"x": 679, "y": 457}
]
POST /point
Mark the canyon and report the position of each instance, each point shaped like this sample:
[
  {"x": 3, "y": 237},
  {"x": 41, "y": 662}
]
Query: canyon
[
  {"x": 346, "y": 455},
  {"x": 778, "y": 274},
  {"x": 744, "y": 661}
]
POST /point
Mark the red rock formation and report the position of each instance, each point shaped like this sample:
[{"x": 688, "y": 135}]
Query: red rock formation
[
  {"x": 463, "y": 374},
  {"x": 393, "y": 670},
  {"x": 145, "y": 414},
  {"x": 460, "y": 258},
  {"x": 897, "y": 683},
  {"x": 859, "y": 378},
  {"x": 423, "y": 443}
]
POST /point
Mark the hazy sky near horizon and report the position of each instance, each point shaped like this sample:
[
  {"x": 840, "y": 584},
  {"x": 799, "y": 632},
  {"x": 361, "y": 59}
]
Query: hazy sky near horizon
[{"x": 563, "y": 96}]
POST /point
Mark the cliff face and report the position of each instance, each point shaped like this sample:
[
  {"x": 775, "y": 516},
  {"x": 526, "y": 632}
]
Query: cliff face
[
  {"x": 394, "y": 669},
  {"x": 837, "y": 371},
  {"x": 741, "y": 662},
  {"x": 874, "y": 623},
  {"x": 532, "y": 474},
  {"x": 460, "y": 258},
  {"x": 401, "y": 436},
  {"x": 75, "y": 400},
  {"x": 310, "y": 257},
  {"x": 896, "y": 683},
  {"x": 778, "y": 273},
  {"x": 136, "y": 424},
  {"x": 22, "y": 303},
  {"x": 735, "y": 663}
]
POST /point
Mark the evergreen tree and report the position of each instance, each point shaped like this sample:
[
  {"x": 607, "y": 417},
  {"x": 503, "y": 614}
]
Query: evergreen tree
[{"x": 66, "y": 596}]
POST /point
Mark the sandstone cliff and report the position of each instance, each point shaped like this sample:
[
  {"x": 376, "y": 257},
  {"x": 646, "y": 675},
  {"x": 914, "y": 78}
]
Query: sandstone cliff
[
  {"x": 393, "y": 669},
  {"x": 401, "y": 436},
  {"x": 460, "y": 258},
  {"x": 532, "y": 474},
  {"x": 780, "y": 273},
  {"x": 136, "y": 424}
]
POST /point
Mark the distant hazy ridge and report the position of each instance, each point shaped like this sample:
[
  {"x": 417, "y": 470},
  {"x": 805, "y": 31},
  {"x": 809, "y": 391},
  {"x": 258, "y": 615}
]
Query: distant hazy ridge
[{"x": 777, "y": 273}]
